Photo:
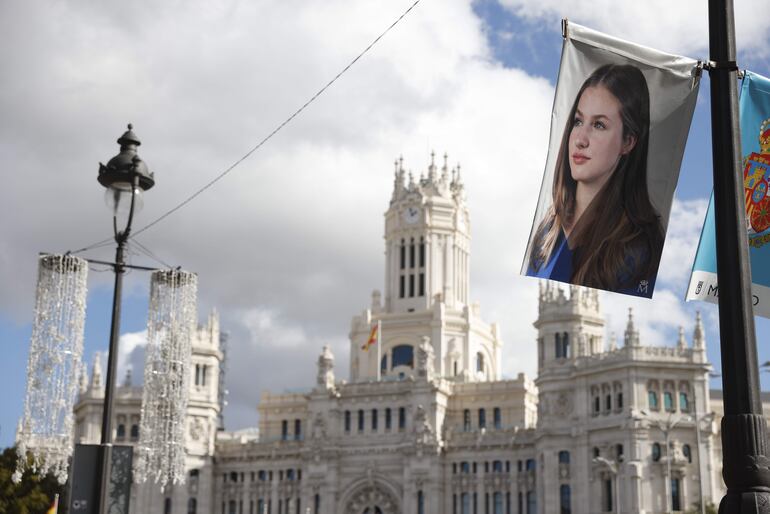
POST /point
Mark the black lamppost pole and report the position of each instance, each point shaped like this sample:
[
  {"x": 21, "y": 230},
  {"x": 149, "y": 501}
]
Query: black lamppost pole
[
  {"x": 746, "y": 470},
  {"x": 125, "y": 176}
]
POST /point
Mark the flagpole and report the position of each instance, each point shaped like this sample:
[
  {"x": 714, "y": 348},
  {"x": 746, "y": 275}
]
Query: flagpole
[
  {"x": 379, "y": 351},
  {"x": 744, "y": 429}
]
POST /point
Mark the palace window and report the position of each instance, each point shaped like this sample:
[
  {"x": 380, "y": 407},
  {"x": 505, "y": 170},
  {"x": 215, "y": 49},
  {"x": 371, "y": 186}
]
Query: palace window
[
  {"x": 360, "y": 420},
  {"x": 121, "y": 432},
  {"x": 422, "y": 284},
  {"x": 401, "y": 418},
  {"x": 619, "y": 400},
  {"x": 347, "y": 421},
  {"x": 530, "y": 464},
  {"x": 167, "y": 506},
  {"x": 384, "y": 363},
  {"x": 565, "y": 499},
  {"x": 403, "y": 355},
  {"x": 284, "y": 430},
  {"x": 619, "y": 452},
  {"x": 497, "y": 503},
  {"x": 387, "y": 419},
  {"x": 134, "y": 432},
  {"x": 684, "y": 404},
  {"x": 687, "y": 452},
  {"x": 297, "y": 429},
  {"x": 608, "y": 495},
  {"x": 402, "y": 250},
  {"x": 655, "y": 452},
  {"x": 401, "y": 283},
  {"x": 411, "y": 253},
  {"x": 467, "y": 420},
  {"x": 597, "y": 452},
  {"x": 482, "y": 418},
  {"x": 498, "y": 419},
  {"x": 676, "y": 503},
  {"x": 608, "y": 402},
  {"x": 652, "y": 400},
  {"x": 668, "y": 401},
  {"x": 497, "y": 466},
  {"x": 192, "y": 506},
  {"x": 420, "y": 502},
  {"x": 564, "y": 457},
  {"x": 422, "y": 253},
  {"x": 374, "y": 420},
  {"x": 465, "y": 467}
]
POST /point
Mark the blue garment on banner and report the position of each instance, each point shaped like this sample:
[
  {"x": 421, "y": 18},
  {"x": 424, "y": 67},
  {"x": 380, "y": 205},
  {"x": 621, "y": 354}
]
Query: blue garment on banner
[
  {"x": 559, "y": 268},
  {"x": 755, "y": 146}
]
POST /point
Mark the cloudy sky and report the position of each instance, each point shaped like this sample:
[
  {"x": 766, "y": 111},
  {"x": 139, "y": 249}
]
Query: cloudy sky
[{"x": 289, "y": 245}]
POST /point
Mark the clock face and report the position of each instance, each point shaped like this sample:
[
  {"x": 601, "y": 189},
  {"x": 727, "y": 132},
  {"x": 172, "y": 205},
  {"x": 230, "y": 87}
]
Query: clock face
[{"x": 411, "y": 214}]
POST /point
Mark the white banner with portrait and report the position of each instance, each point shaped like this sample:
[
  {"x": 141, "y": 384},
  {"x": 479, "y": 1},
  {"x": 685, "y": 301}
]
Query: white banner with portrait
[{"x": 618, "y": 130}]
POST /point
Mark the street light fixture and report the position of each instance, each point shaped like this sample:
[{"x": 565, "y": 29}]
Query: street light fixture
[
  {"x": 125, "y": 177},
  {"x": 613, "y": 467},
  {"x": 666, "y": 429}
]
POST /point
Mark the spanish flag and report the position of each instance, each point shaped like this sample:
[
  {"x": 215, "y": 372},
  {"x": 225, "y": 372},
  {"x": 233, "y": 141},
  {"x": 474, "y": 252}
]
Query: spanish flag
[
  {"x": 373, "y": 336},
  {"x": 54, "y": 508}
]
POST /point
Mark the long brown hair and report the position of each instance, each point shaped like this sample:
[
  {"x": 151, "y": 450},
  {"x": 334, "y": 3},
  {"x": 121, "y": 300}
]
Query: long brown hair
[{"x": 618, "y": 239}]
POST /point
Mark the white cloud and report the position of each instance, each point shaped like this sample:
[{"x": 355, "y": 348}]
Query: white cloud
[
  {"x": 289, "y": 245},
  {"x": 682, "y": 238},
  {"x": 675, "y": 27}
]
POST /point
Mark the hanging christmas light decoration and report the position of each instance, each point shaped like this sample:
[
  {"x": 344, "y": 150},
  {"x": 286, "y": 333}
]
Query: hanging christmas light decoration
[
  {"x": 44, "y": 437},
  {"x": 171, "y": 321}
]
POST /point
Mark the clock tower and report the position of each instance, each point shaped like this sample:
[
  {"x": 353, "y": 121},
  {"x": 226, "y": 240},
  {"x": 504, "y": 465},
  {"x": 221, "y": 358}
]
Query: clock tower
[
  {"x": 427, "y": 241},
  {"x": 426, "y": 295}
]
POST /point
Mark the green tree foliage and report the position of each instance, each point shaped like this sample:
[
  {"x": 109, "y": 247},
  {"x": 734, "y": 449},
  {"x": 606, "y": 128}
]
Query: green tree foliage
[{"x": 33, "y": 495}]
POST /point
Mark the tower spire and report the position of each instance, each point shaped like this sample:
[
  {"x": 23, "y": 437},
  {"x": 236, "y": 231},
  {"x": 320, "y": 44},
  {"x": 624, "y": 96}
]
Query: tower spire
[
  {"x": 698, "y": 334},
  {"x": 632, "y": 334},
  {"x": 681, "y": 342}
]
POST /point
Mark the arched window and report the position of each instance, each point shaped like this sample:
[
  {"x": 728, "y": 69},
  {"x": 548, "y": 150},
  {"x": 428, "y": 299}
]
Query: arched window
[
  {"x": 652, "y": 400},
  {"x": 482, "y": 418},
  {"x": 402, "y": 250},
  {"x": 684, "y": 404},
  {"x": 687, "y": 452},
  {"x": 497, "y": 503},
  {"x": 479, "y": 362},
  {"x": 655, "y": 452},
  {"x": 121, "y": 432},
  {"x": 192, "y": 506},
  {"x": 668, "y": 401},
  {"x": 564, "y": 457},
  {"x": 565, "y": 499},
  {"x": 498, "y": 418},
  {"x": 347, "y": 421},
  {"x": 403, "y": 355}
]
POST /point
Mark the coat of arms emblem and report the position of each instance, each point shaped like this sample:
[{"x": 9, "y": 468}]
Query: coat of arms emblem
[{"x": 755, "y": 184}]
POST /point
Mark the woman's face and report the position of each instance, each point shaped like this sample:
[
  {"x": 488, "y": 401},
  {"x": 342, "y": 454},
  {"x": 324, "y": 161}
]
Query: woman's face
[{"x": 596, "y": 140}]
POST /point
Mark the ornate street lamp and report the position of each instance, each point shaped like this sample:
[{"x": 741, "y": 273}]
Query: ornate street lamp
[{"x": 125, "y": 177}]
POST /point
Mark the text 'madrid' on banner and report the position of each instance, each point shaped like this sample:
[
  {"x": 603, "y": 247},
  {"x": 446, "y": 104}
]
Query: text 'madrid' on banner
[
  {"x": 755, "y": 145},
  {"x": 619, "y": 125}
]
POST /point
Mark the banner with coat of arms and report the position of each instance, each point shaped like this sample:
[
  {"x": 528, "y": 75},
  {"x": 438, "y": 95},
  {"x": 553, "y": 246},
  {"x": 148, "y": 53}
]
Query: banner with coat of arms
[{"x": 755, "y": 144}]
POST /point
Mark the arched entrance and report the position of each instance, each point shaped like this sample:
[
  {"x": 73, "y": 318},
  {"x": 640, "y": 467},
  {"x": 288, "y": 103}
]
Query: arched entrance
[{"x": 372, "y": 499}]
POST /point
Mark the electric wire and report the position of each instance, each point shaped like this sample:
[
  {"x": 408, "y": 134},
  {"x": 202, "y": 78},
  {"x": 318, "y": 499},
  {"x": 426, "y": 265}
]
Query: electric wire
[
  {"x": 277, "y": 129},
  {"x": 258, "y": 145},
  {"x": 149, "y": 253}
]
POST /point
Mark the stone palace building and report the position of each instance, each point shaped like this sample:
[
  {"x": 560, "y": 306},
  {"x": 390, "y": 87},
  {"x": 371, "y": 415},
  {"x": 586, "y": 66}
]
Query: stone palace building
[{"x": 425, "y": 424}]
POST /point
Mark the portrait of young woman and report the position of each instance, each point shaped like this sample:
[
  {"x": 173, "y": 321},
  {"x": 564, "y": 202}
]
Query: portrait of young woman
[{"x": 601, "y": 229}]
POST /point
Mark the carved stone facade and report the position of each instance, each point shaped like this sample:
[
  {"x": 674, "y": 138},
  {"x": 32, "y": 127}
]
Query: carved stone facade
[{"x": 425, "y": 424}]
